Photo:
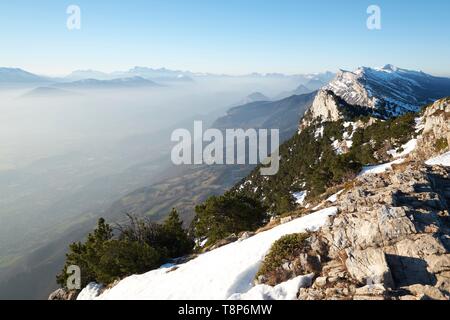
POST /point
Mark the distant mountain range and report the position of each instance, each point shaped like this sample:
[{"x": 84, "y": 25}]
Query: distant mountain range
[
  {"x": 19, "y": 76},
  {"x": 313, "y": 84},
  {"x": 132, "y": 82},
  {"x": 137, "y": 76},
  {"x": 41, "y": 92},
  {"x": 253, "y": 97},
  {"x": 159, "y": 75}
]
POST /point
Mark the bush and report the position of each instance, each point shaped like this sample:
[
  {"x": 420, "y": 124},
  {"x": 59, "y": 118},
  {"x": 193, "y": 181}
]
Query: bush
[
  {"x": 441, "y": 145},
  {"x": 121, "y": 258},
  {"x": 174, "y": 237},
  {"x": 219, "y": 217},
  {"x": 288, "y": 248},
  {"x": 138, "y": 247},
  {"x": 86, "y": 255}
]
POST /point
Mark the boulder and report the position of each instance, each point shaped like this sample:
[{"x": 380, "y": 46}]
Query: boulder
[
  {"x": 438, "y": 263},
  {"x": 425, "y": 292},
  {"x": 63, "y": 294},
  {"x": 371, "y": 290},
  {"x": 309, "y": 263},
  {"x": 320, "y": 282},
  {"x": 369, "y": 266},
  {"x": 420, "y": 246},
  {"x": 394, "y": 224}
]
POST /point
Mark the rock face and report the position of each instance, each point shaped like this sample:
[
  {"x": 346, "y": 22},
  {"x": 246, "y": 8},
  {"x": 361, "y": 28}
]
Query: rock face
[
  {"x": 369, "y": 266},
  {"x": 436, "y": 127},
  {"x": 63, "y": 294},
  {"x": 390, "y": 239},
  {"x": 325, "y": 106}
]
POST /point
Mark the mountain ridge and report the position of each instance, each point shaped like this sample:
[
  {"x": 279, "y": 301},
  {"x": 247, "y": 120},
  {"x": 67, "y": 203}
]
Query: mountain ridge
[{"x": 383, "y": 92}]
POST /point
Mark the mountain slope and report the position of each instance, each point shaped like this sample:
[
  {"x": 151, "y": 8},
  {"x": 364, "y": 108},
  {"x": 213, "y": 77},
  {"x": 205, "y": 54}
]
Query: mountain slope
[
  {"x": 253, "y": 97},
  {"x": 44, "y": 92},
  {"x": 19, "y": 76},
  {"x": 283, "y": 115}
]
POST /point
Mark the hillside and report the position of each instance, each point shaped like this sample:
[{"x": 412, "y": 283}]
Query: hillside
[
  {"x": 283, "y": 115},
  {"x": 19, "y": 76}
]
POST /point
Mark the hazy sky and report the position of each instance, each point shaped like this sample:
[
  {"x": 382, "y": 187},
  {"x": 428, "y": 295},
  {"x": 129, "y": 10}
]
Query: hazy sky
[{"x": 232, "y": 36}]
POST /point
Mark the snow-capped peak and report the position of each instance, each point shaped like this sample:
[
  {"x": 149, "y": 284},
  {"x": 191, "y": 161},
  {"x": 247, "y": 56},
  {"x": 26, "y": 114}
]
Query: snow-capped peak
[
  {"x": 389, "y": 68},
  {"x": 385, "y": 92}
]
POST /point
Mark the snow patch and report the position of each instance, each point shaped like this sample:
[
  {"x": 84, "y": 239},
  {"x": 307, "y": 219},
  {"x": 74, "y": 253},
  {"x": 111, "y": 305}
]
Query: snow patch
[
  {"x": 337, "y": 147},
  {"x": 333, "y": 198},
  {"x": 420, "y": 125},
  {"x": 300, "y": 197},
  {"x": 284, "y": 291},
  {"x": 91, "y": 291},
  {"x": 407, "y": 149},
  {"x": 319, "y": 132},
  {"x": 203, "y": 243},
  {"x": 442, "y": 160},
  {"x": 379, "y": 168}
]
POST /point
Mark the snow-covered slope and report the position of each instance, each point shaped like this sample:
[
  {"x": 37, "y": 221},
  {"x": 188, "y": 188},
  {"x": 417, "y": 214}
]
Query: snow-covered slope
[
  {"x": 376, "y": 169},
  {"x": 227, "y": 272},
  {"x": 384, "y": 92},
  {"x": 442, "y": 160}
]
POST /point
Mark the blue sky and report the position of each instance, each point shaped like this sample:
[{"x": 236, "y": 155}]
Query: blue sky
[{"x": 232, "y": 36}]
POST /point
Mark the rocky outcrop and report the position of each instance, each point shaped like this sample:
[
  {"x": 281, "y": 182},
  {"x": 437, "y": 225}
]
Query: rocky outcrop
[
  {"x": 390, "y": 239},
  {"x": 63, "y": 294},
  {"x": 325, "y": 106},
  {"x": 435, "y": 124}
]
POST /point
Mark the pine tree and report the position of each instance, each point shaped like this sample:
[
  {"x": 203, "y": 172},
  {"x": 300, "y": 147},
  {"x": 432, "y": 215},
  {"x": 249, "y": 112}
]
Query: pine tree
[
  {"x": 87, "y": 255},
  {"x": 177, "y": 240}
]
